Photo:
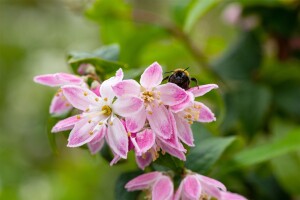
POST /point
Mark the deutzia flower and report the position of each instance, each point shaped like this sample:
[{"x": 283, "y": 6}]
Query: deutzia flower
[
  {"x": 99, "y": 118},
  {"x": 155, "y": 98},
  {"x": 190, "y": 110},
  {"x": 59, "y": 104},
  {"x": 160, "y": 186}
]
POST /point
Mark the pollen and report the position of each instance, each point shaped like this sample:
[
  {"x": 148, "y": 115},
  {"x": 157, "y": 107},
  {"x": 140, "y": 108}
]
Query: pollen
[
  {"x": 85, "y": 93},
  {"x": 91, "y": 132},
  {"x": 106, "y": 110},
  {"x": 97, "y": 99},
  {"x": 78, "y": 117},
  {"x": 111, "y": 123},
  {"x": 148, "y": 96},
  {"x": 105, "y": 99},
  {"x": 100, "y": 123},
  {"x": 129, "y": 134}
]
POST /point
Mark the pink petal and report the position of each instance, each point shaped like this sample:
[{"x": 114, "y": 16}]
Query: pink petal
[
  {"x": 117, "y": 138},
  {"x": 171, "y": 94},
  {"x": 160, "y": 121},
  {"x": 95, "y": 147},
  {"x": 106, "y": 89},
  {"x": 206, "y": 115},
  {"x": 82, "y": 133},
  {"x": 191, "y": 187},
  {"x": 136, "y": 122},
  {"x": 127, "y": 87},
  {"x": 172, "y": 151},
  {"x": 145, "y": 140},
  {"x": 144, "y": 161},
  {"x": 203, "y": 89},
  {"x": 188, "y": 101},
  {"x": 211, "y": 190},
  {"x": 212, "y": 182},
  {"x": 143, "y": 181},
  {"x": 81, "y": 98},
  {"x": 184, "y": 130},
  {"x": 163, "y": 189},
  {"x": 115, "y": 160},
  {"x": 127, "y": 106},
  {"x": 231, "y": 196},
  {"x": 173, "y": 141},
  {"x": 58, "y": 79},
  {"x": 152, "y": 76},
  {"x": 59, "y": 105},
  {"x": 65, "y": 124},
  {"x": 98, "y": 141}
]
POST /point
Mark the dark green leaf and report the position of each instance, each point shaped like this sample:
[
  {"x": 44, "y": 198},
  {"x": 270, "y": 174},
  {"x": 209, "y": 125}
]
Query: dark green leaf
[
  {"x": 167, "y": 162},
  {"x": 120, "y": 191},
  {"x": 206, "y": 153},
  {"x": 241, "y": 60},
  {"x": 103, "y": 59},
  {"x": 252, "y": 102}
]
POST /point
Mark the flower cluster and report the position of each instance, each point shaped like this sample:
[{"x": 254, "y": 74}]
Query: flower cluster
[
  {"x": 145, "y": 117},
  {"x": 192, "y": 187}
]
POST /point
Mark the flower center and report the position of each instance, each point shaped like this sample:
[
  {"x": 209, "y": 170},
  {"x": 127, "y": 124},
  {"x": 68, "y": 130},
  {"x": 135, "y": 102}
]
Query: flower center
[
  {"x": 148, "y": 96},
  {"x": 106, "y": 110}
]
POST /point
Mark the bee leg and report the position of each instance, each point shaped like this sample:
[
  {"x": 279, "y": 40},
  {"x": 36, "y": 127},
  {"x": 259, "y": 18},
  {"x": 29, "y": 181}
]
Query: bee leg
[
  {"x": 195, "y": 81},
  {"x": 166, "y": 78}
]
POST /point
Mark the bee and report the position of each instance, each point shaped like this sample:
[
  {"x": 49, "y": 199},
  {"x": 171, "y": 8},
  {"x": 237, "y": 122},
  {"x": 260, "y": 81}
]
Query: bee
[{"x": 181, "y": 77}]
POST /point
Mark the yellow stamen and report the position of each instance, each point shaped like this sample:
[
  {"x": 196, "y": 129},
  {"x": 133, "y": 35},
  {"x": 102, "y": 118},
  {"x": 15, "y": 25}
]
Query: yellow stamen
[
  {"x": 96, "y": 99},
  {"x": 100, "y": 123},
  {"x": 67, "y": 104},
  {"x": 87, "y": 110},
  {"x": 89, "y": 121},
  {"x": 78, "y": 117},
  {"x": 105, "y": 99},
  {"x": 85, "y": 93},
  {"x": 129, "y": 134},
  {"x": 91, "y": 132},
  {"x": 111, "y": 123},
  {"x": 106, "y": 110}
]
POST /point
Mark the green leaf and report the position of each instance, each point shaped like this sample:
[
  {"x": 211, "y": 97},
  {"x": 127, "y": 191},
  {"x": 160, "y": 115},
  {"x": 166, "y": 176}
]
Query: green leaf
[
  {"x": 242, "y": 60},
  {"x": 286, "y": 144},
  {"x": 206, "y": 153},
  {"x": 253, "y": 102},
  {"x": 197, "y": 9},
  {"x": 120, "y": 191},
  {"x": 286, "y": 169},
  {"x": 167, "y": 162},
  {"x": 103, "y": 59}
]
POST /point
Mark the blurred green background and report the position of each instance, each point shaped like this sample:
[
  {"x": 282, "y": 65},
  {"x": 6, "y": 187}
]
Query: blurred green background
[{"x": 250, "y": 48}]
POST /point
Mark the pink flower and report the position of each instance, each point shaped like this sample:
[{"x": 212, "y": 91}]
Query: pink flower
[
  {"x": 155, "y": 98},
  {"x": 59, "y": 104},
  {"x": 190, "y": 110},
  {"x": 194, "y": 186},
  {"x": 160, "y": 185},
  {"x": 99, "y": 118}
]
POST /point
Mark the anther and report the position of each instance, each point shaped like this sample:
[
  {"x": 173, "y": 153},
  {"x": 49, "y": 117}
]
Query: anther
[
  {"x": 111, "y": 123},
  {"x": 96, "y": 99},
  {"x": 91, "y": 132},
  {"x": 100, "y": 123},
  {"x": 85, "y": 93},
  {"x": 78, "y": 117},
  {"x": 87, "y": 110},
  {"x": 105, "y": 99},
  {"x": 89, "y": 121}
]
